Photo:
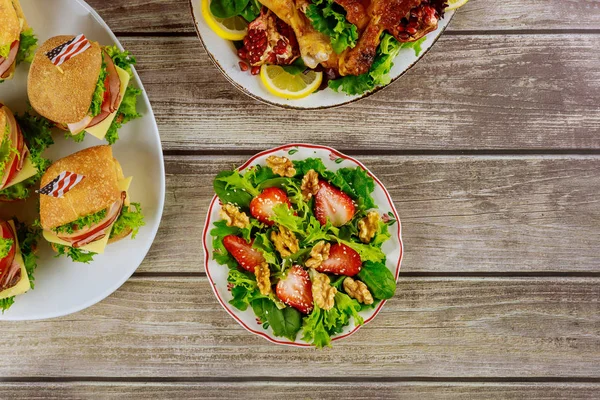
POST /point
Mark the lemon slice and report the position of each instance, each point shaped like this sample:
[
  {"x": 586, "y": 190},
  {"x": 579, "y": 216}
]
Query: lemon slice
[
  {"x": 234, "y": 28},
  {"x": 454, "y": 4},
  {"x": 283, "y": 84}
]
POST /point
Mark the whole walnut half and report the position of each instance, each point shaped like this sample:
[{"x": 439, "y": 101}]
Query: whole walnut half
[
  {"x": 233, "y": 216},
  {"x": 263, "y": 278},
  {"x": 358, "y": 290},
  {"x": 322, "y": 291},
  {"x": 318, "y": 254},
  {"x": 281, "y": 166},
  {"x": 367, "y": 227}
]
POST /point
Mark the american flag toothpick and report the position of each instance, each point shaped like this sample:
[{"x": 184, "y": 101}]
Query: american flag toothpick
[
  {"x": 60, "y": 185},
  {"x": 68, "y": 50}
]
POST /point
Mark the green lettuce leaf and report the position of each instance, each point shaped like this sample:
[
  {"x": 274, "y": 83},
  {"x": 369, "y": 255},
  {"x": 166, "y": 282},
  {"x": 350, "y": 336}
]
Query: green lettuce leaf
[
  {"x": 330, "y": 19},
  {"x": 98, "y": 96},
  {"x": 234, "y": 188},
  {"x": 127, "y": 111},
  {"x": 27, "y": 46},
  {"x": 130, "y": 218},
  {"x": 81, "y": 222},
  {"x": 28, "y": 238},
  {"x": 285, "y": 322},
  {"x": 38, "y": 136},
  {"x": 5, "y": 246},
  {"x": 74, "y": 254},
  {"x": 379, "y": 279},
  {"x": 378, "y": 74},
  {"x": 320, "y": 325},
  {"x": 122, "y": 59},
  {"x": 6, "y": 303}
]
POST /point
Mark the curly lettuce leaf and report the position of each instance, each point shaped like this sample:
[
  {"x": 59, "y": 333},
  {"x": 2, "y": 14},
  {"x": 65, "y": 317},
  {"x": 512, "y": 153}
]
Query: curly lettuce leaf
[
  {"x": 330, "y": 19},
  {"x": 378, "y": 74},
  {"x": 234, "y": 188},
  {"x": 127, "y": 111},
  {"x": 6, "y": 150},
  {"x": 28, "y": 238},
  {"x": 98, "y": 96},
  {"x": 5, "y": 246},
  {"x": 122, "y": 59},
  {"x": 6, "y": 303},
  {"x": 27, "y": 45},
  {"x": 74, "y": 254},
  {"x": 320, "y": 325},
  {"x": 131, "y": 218},
  {"x": 81, "y": 222},
  {"x": 37, "y": 134}
]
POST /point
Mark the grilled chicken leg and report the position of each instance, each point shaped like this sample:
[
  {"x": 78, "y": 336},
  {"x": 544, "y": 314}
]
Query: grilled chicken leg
[
  {"x": 315, "y": 47},
  {"x": 384, "y": 15}
]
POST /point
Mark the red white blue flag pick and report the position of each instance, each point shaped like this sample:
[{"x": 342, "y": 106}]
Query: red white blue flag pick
[
  {"x": 68, "y": 50},
  {"x": 61, "y": 184}
]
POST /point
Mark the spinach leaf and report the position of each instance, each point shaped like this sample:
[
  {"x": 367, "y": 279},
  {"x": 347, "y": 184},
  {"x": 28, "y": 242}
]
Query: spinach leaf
[
  {"x": 378, "y": 279},
  {"x": 252, "y": 10},
  {"x": 232, "y": 188},
  {"x": 285, "y": 322},
  {"x": 227, "y": 8}
]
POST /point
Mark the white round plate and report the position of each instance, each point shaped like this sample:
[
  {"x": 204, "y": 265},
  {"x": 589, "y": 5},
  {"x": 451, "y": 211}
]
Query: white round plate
[
  {"x": 333, "y": 160},
  {"x": 61, "y": 286},
  {"x": 224, "y": 55}
]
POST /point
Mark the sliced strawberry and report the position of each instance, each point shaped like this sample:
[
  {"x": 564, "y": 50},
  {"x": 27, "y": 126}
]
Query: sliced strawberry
[
  {"x": 296, "y": 290},
  {"x": 333, "y": 204},
  {"x": 261, "y": 207},
  {"x": 247, "y": 257},
  {"x": 343, "y": 260}
]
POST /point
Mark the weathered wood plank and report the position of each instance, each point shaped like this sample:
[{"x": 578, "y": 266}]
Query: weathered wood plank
[
  {"x": 479, "y": 15},
  {"x": 470, "y": 327},
  {"x": 469, "y": 92},
  {"x": 459, "y": 214},
  {"x": 291, "y": 390}
]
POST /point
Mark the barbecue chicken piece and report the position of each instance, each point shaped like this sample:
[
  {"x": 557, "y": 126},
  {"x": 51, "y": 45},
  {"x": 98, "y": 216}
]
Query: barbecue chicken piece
[
  {"x": 315, "y": 47},
  {"x": 356, "y": 12},
  {"x": 385, "y": 15}
]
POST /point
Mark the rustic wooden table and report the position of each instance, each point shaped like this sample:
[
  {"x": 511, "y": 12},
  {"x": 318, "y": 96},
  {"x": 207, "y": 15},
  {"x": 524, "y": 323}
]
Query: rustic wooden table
[{"x": 490, "y": 147}]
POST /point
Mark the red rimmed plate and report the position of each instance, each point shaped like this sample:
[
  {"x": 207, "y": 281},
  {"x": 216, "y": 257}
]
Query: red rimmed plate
[{"x": 333, "y": 160}]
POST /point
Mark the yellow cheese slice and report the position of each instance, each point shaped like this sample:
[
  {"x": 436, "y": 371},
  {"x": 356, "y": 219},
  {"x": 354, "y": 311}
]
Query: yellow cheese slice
[
  {"x": 27, "y": 172},
  {"x": 101, "y": 129},
  {"x": 99, "y": 245},
  {"x": 23, "y": 285}
]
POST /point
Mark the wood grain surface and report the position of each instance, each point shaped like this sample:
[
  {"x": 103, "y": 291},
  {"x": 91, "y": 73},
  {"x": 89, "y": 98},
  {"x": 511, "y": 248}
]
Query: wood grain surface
[
  {"x": 490, "y": 148},
  {"x": 433, "y": 327},
  {"x": 496, "y": 92},
  {"x": 173, "y": 16},
  {"x": 459, "y": 214},
  {"x": 303, "y": 390}
]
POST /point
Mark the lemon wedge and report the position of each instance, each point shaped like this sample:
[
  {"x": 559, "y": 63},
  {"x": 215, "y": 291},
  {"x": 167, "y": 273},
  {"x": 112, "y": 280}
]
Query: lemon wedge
[
  {"x": 454, "y": 4},
  {"x": 234, "y": 28},
  {"x": 289, "y": 86}
]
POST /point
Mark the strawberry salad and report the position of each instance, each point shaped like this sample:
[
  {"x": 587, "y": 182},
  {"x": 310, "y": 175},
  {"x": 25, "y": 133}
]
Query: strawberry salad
[{"x": 303, "y": 245}]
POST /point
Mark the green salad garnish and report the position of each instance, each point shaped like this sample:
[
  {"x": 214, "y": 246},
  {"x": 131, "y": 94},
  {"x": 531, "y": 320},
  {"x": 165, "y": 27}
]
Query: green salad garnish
[{"x": 303, "y": 246}]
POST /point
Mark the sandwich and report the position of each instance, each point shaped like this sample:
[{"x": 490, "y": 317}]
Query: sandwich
[
  {"x": 81, "y": 87},
  {"x": 92, "y": 212},
  {"x": 17, "y": 260},
  {"x": 17, "y": 40},
  {"x": 22, "y": 142}
]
